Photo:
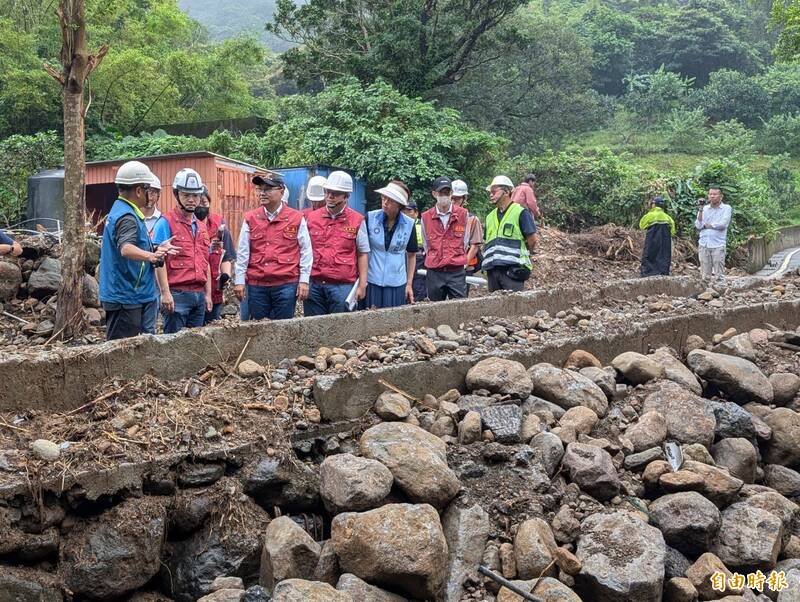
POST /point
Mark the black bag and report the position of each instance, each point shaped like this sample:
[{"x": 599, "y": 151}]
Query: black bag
[{"x": 518, "y": 273}]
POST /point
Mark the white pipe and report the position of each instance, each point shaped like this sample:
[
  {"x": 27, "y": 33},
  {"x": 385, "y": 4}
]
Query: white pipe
[{"x": 474, "y": 280}]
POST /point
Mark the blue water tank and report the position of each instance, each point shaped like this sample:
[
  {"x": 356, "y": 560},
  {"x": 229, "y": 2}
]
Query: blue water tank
[{"x": 297, "y": 178}]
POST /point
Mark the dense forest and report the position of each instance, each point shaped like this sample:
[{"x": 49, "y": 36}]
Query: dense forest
[{"x": 608, "y": 102}]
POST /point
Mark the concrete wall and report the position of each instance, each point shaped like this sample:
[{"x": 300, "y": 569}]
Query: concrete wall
[
  {"x": 350, "y": 396},
  {"x": 759, "y": 250},
  {"x": 63, "y": 380}
]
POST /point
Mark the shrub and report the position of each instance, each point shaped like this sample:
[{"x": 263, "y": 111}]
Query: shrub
[
  {"x": 782, "y": 135},
  {"x": 683, "y": 130}
]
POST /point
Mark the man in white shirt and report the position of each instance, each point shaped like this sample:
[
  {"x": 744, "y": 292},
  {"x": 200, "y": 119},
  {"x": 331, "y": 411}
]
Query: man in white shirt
[
  {"x": 712, "y": 224},
  {"x": 274, "y": 255}
]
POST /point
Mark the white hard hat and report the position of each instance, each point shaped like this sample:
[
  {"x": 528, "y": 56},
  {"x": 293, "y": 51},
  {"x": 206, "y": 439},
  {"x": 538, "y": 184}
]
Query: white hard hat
[
  {"x": 500, "y": 181},
  {"x": 460, "y": 188},
  {"x": 315, "y": 190},
  {"x": 339, "y": 181},
  {"x": 394, "y": 192},
  {"x": 188, "y": 180},
  {"x": 134, "y": 172},
  {"x": 285, "y": 196},
  {"x": 156, "y": 183}
]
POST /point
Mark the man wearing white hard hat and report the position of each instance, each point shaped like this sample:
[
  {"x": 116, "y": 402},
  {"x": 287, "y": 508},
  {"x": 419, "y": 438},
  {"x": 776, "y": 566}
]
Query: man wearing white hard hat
[
  {"x": 128, "y": 257},
  {"x": 185, "y": 280},
  {"x": 273, "y": 260},
  {"x": 315, "y": 193},
  {"x": 474, "y": 237},
  {"x": 510, "y": 239},
  {"x": 393, "y": 249},
  {"x": 341, "y": 250}
]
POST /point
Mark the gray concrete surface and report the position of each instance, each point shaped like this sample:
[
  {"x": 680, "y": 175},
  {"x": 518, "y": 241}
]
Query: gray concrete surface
[
  {"x": 63, "y": 380},
  {"x": 348, "y": 396},
  {"x": 781, "y": 263},
  {"x": 760, "y": 250}
]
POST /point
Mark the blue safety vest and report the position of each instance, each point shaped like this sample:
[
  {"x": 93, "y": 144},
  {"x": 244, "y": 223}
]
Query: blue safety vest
[
  {"x": 387, "y": 267},
  {"x": 124, "y": 280}
]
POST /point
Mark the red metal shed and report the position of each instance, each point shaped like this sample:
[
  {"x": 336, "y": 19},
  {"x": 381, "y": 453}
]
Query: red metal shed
[{"x": 229, "y": 181}]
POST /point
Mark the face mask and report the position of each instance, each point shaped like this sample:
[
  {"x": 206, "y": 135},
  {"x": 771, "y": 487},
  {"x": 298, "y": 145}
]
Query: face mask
[
  {"x": 201, "y": 212},
  {"x": 443, "y": 202}
]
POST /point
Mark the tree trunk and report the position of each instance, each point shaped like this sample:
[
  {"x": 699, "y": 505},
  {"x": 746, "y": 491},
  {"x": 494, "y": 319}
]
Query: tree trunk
[
  {"x": 77, "y": 64},
  {"x": 69, "y": 312}
]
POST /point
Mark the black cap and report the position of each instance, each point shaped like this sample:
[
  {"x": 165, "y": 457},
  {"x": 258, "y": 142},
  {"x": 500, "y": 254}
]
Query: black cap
[
  {"x": 411, "y": 205},
  {"x": 269, "y": 179},
  {"x": 659, "y": 201},
  {"x": 440, "y": 183}
]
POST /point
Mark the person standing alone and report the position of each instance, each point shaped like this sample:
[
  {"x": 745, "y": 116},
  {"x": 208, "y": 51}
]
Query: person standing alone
[{"x": 712, "y": 224}]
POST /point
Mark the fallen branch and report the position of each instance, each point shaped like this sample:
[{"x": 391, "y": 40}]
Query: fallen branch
[
  {"x": 13, "y": 317},
  {"x": 259, "y": 406},
  {"x": 539, "y": 578},
  {"x": 399, "y": 391},
  {"x": 13, "y": 428},
  {"x": 103, "y": 397},
  {"x": 507, "y": 584},
  {"x": 788, "y": 346}
]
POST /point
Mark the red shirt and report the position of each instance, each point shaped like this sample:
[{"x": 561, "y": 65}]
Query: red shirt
[
  {"x": 524, "y": 195},
  {"x": 445, "y": 246},
  {"x": 274, "y": 248}
]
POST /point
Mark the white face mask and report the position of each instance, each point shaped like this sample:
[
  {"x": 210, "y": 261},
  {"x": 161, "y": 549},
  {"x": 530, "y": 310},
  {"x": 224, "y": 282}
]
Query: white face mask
[{"x": 443, "y": 202}]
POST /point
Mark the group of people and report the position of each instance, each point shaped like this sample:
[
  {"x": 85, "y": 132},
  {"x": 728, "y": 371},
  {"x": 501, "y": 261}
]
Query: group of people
[
  {"x": 177, "y": 264},
  {"x": 329, "y": 256},
  {"x": 712, "y": 221}
]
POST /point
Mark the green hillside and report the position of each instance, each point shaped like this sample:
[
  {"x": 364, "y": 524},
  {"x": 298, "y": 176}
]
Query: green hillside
[{"x": 226, "y": 19}]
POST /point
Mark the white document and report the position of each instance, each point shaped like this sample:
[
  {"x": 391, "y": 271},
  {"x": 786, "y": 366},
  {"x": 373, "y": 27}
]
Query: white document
[{"x": 351, "y": 297}]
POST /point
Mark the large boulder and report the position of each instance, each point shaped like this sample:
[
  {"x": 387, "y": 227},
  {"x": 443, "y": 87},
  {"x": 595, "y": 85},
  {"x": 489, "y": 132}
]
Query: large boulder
[
  {"x": 688, "y": 521},
  {"x": 106, "y": 557},
  {"x": 783, "y": 480},
  {"x": 549, "y": 590},
  {"x": 349, "y": 483},
  {"x": 738, "y": 456},
  {"x": 548, "y": 450},
  {"x": 300, "y": 590},
  {"x": 398, "y": 546},
  {"x": 675, "y": 371},
  {"x": 498, "y": 375},
  {"x": 223, "y": 547},
  {"x": 592, "y": 469},
  {"x": 534, "y": 547},
  {"x": 19, "y": 584},
  {"x": 45, "y": 280},
  {"x": 637, "y": 368},
  {"x": 701, "y": 572},
  {"x": 732, "y": 421},
  {"x": 90, "y": 292},
  {"x": 749, "y": 538},
  {"x": 289, "y": 553},
  {"x": 739, "y": 345},
  {"x": 622, "y": 559},
  {"x": 466, "y": 531},
  {"x": 287, "y": 483},
  {"x": 785, "y": 387},
  {"x": 10, "y": 279},
  {"x": 774, "y": 503},
  {"x": 416, "y": 458},
  {"x": 361, "y": 591},
  {"x": 739, "y": 379},
  {"x": 719, "y": 485},
  {"x": 784, "y": 446},
  {"x": 505, "y": 422},
  {"x": 567, "y": 389},
  {"x": 689, "y": 417}
]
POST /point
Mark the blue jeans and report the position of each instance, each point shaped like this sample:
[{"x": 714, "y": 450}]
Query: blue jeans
[
  {"x": 189, "y": 312},
  {"x": 273, "y": 302},
  {"x": 326, "y": 299},
  {"x": 150, "y": 315},
  {"x": 214, "y": 314}
]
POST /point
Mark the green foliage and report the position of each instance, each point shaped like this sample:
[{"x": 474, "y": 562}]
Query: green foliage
[
  {"x": 532, "y": 84},
  {"x": 730, "y": 139},
  {"x": 783, "y": 183},
  {"x": 653, "y": 95},
  {"x": 683, "y": 130},
  {"x": 734, "y": 95},
  {"x": 21, "y": 157},
  {"x": 417, "y": 46},
  {"x": 786, "y": 19},
  {"x": 782, "y": 135},
  {"x": 782, "y": 83}
]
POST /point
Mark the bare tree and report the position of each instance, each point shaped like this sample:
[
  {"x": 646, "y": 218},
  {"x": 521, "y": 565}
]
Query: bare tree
[{"x": 76, "y": 66}]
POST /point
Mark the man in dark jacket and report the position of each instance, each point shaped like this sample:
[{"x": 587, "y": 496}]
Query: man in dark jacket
[{"x": 660, "y": 228}]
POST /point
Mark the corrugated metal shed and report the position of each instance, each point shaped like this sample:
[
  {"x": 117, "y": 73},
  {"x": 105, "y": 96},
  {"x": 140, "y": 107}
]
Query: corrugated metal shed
[{"x": 228, "y": 180}]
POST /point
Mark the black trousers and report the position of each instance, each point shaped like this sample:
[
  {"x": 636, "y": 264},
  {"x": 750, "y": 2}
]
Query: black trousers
[
  {"x": 499, "y": 280},
  {"x": 446, "y": 285},
  {"x": 124, "y": 321}
]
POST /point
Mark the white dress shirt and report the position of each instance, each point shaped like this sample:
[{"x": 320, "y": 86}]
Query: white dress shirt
[
  {"x": 243, "y": 249},
  {"x": 716, "y": 220}
]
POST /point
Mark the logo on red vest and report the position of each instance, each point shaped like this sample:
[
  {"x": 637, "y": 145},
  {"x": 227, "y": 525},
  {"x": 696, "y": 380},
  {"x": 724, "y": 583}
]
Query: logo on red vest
[
  {"x": 290, "y": 230},
  {"x": 458, "y": 229},
  {"x": 349, "y": 229}
]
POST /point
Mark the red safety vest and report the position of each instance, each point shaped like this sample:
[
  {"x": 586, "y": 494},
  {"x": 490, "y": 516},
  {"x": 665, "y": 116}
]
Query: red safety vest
[
  {"x": 274, "y": 248},
  {"x": 445, "y": 246},
  {"x": 188, "y": 270},
  {"x": 213, "y": 222},
  {"x": 334, "y": 242}
]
